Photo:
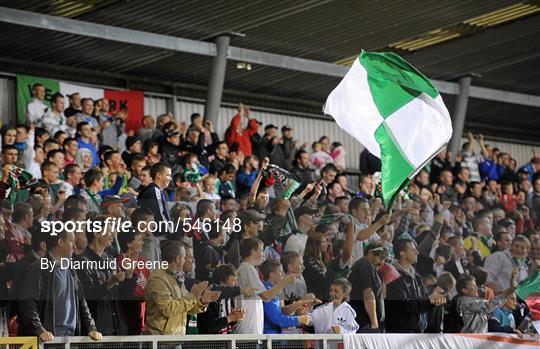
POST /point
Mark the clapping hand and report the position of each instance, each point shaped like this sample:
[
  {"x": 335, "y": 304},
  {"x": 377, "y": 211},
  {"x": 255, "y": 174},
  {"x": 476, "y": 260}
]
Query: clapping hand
[
  {"x": 198, "y": 289},
  {"x": 210, "y": 296}
]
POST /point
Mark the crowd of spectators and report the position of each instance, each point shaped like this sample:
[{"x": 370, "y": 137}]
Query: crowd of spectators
[{"x": 272, "y": 238}]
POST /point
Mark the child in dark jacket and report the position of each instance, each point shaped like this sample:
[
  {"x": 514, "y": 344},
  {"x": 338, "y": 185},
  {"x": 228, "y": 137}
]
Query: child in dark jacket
[{"x": 221, "y": 316}]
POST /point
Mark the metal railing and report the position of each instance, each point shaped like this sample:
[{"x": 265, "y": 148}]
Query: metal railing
[{"x": 229, "y": 341}]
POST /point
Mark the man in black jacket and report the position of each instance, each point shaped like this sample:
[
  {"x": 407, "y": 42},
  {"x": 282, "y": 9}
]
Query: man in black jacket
[
  {"x": 407, "y": 299},
  {"x": 101, "y": 281},
  {"x": 51, "y": 308},
  {"x": 209, "y": 253},
  {"x": 302, "y": 169},
  {"x": 154, "y": 197}
]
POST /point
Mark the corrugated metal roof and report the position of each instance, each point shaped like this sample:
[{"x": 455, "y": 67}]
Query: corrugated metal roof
[{"x": 507, "y": 56}]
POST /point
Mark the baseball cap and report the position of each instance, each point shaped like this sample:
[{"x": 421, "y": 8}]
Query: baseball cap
[
  {"x": 251, "y": 216},
  {"x": 112, "y": 199},
  {"x": 269, "y": 126},
  {"x": 302, "y": 210},
  {"x": 286, "y": 128}
]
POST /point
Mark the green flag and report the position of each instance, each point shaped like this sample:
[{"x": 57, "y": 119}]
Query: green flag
[
  {"x": 395, "y": 112},
  {"x": 529, "y": 286},
  {"x": 24, "y": 92}
]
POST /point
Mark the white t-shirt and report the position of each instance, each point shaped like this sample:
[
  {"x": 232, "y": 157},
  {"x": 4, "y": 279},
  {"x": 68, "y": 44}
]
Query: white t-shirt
[
  {"x": 358, "y": 250},
  {"x": 296, "y": 243},
  {"x": 253, "y": 322}
]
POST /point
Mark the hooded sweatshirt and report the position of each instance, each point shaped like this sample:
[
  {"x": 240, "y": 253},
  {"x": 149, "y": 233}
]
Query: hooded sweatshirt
[{"x": 474, "y": 312}]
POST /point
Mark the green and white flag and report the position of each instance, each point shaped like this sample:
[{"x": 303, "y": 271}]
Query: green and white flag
[{"x": 395, "y": 112}]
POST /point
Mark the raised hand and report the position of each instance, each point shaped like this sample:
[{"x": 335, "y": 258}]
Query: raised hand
[{"x": 385, "y": 219}]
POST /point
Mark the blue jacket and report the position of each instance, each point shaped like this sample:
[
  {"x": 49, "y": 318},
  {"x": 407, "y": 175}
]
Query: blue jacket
[
  {"x": 274, "y": 319},
  {"x": 245, "y": 181},
  {"x": 490, "y": 170},
  {"x": 530, "y": 169}
]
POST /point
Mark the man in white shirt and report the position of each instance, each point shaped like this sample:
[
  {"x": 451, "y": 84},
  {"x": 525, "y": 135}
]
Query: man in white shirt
[
  {"x": 54, "y": 119},
  {"x": 36, "y": 109},
  {"x": 297, "y": 241}
]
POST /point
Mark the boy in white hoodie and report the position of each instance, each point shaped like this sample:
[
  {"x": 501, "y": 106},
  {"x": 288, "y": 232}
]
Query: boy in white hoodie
[{"x": 337, "y": 316}]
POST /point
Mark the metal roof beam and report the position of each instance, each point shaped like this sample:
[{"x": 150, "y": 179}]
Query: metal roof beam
[
  {"x": 504, "y": 96},
  {"x": 106, "y": 32},
  {"x": 136, "y": 37}
]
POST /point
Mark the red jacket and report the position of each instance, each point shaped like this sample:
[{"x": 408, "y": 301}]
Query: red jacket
[{"x": 242, "y": 138}]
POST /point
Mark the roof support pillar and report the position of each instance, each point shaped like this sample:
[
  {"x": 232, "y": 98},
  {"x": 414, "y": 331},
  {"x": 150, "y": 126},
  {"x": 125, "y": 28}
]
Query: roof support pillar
[
  {"x": 460, "y": 111},
  {"x": 217, "y": 79}
]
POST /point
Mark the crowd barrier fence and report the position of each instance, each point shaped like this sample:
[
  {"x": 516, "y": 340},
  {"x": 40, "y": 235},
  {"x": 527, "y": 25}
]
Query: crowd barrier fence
[{"x": 300, "y": 341}]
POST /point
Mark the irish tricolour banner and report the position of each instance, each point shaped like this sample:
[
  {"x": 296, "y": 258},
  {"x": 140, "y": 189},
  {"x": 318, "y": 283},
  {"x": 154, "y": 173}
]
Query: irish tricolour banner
[{"x": 395, "y": 112}]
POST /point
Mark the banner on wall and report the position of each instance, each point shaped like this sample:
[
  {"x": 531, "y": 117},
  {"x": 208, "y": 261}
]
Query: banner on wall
[
  {"x": 24, "y": 92},
  {"x": 86, "y": 92},
  {"x": 461, "y": 340},
  {"x": 130, "y": 100}
]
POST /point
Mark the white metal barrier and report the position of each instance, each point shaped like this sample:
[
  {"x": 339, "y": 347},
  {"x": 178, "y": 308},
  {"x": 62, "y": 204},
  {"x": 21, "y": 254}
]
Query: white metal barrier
[{"x": 229, "y": 341}]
